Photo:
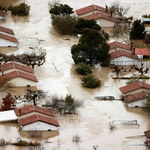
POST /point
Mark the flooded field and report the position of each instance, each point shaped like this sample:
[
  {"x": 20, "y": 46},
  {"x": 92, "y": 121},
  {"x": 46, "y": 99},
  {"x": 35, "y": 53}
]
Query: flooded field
[{"x": 57, "y": 76}]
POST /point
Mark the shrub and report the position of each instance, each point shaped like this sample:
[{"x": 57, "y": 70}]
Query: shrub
[
  {"x": 90, "y": 81},
  {"x": 83, "y": 69},
  {"x": 64, "y": 24},
  {"x": 20, "y": 10},
  {"x": 61, "y": 9}
]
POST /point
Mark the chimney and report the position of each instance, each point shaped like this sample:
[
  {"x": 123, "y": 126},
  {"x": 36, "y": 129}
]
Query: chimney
[
  {"x": 111, "y": 12},
  {"x": 131, "y": 45},
  {"x": 106, "y": 8},
  {"x": 19, "y": 112},
  {"x": 133, "y": 51}
]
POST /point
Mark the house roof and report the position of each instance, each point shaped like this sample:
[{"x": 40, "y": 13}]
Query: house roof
[
  {"x": 8, "y": 38},
  {"x": 11, "y": 65},
  {"x": 142, "y": 51},
  {"x": 120, "y": 53},
  {"x": 90, "y": 8},
  {"x": 34, "y": 118},
  {"x": 147, "y": 133},
  {"x": 119, "y": 45},
  {"x": 6, "y": 30},
  {"x": 135, "y": 97},
  {"x": 33, "y": 108},
  {"x": 99, "y": 15},
  {"x": 15, "y": 74},
  {"x": 134, "y": 86}
]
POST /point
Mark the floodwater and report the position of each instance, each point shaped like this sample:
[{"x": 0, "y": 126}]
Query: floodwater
[{"x": 57, "y": 75}]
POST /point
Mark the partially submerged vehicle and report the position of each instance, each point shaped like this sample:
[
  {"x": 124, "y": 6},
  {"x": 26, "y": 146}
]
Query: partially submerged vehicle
[{"x": 105, "y": 98}]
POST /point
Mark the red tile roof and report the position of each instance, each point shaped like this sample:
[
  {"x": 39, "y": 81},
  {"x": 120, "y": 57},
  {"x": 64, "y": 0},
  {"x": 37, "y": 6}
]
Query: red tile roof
[
  {"x": 34, "y": 118},
  {"x": 119, "y": 45},
  {"x": 33, "y": 108},
  {"x": 90, "y": 8},
  {"x": 147, "y": 133},
  {"x": 120, "y": 53},
  {"x": 134, "y": 86},
  {"x": 15, "y": 74},
  {"x": 96, "y": 16},
  {"x": 6, "y": 30},
  {"x": 11, "y": 65},
  {"x": 8, "y": 38},
  {"x": 142, "y": 51},
  {"x": 135, "y": 97}
]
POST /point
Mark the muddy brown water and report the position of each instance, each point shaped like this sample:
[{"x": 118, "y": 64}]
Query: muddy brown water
[{"x": 91, "y": 124}]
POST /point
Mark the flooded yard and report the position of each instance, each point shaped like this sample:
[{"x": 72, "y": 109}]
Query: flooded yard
[{"x": 57, "y": 76}]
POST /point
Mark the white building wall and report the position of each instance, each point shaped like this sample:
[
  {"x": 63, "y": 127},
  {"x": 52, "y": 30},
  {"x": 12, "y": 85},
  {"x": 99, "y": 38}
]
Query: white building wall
[
  {"x": 34, "y": 113},
  {"x": 2, "y": 18},
  {"x": 123, "y": 60},
  {"x": 39, "y": 126},
  {"x": 116, "y": 49},
  {"x": 105, "y": 23},
  {"x": 5, "y": 43},
  {"x": 21, "y": 82},
  {"x": 140, "y": 103}
]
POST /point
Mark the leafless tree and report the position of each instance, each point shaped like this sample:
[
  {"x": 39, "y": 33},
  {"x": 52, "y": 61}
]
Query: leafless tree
[
  {"x": 36, "y": 58},
  {"x": 118, "y": 9},
  {"x": 5, "y": 85},
  {"x": 35, "y": 96},
  {"x": 67, "y": 105},
  {"x": 141, "y": 68}
]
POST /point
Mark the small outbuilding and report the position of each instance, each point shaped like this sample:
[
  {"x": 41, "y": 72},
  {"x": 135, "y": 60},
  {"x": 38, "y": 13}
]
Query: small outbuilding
[{"x": 142, "y": 53}]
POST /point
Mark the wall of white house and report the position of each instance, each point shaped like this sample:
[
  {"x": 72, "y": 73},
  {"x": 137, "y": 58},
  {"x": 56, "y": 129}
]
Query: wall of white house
[
  {"x": 137, "y": 91},
  {"x": 105, "y": 23},
  {"x": 140, "y": 103},
  {"x": 123, "y": 60},
  {"x": 116, "y": 49},
  {"x": 39, "y": 126},
  {"x": 2, "y": 18},
  {"x": 35, "y": 113},
  {"x": 6, "y": 43},
  {"x": 21, "y": 82}
]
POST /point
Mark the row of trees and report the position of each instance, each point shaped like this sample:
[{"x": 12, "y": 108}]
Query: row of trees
[
  {"x": 33, "y": 59},
  {"x": 66, "y": 105}
]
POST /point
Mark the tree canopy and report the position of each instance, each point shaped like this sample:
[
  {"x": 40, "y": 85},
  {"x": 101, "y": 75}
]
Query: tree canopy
[
  {"x": 81, "y": 24},
  {"x": 61, "y": 9},
  {"x": 138, "y": 30},
  {"x": 91, "y": 49}
]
